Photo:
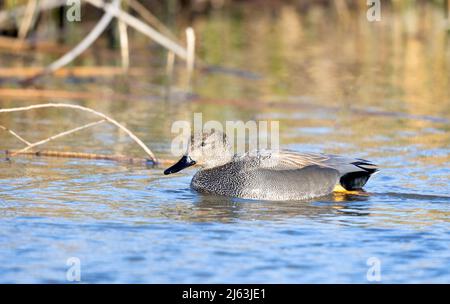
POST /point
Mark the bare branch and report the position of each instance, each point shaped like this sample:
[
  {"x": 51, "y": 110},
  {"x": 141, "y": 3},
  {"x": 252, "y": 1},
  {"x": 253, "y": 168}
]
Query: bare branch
[
  {"x": 190, "y": 37},
  {"x": 7, "y": 15},
  {"x": 72, "y": 106},
  {"x": 41, "y": 142},
  {"x": 80, "y": 47},
  {"x": 80, "y": 155},
  {"x": 15, "y": 135},
  {"x": 150, "y": 18},
  {"x": 124, "y": 45},
  {"x": 141, "y": 27},
  {"x": 27, "y": 19}
]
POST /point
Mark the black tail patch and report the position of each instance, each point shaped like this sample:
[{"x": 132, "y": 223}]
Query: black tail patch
[
  {"x": 357, "y": 180},
  {"x": 354, "y": 180},
  {"x": 366, "y": 165}
]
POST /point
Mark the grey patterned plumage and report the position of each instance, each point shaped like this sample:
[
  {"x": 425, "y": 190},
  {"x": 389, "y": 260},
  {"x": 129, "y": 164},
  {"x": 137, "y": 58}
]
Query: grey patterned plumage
[{"x": 267, "y": 175}]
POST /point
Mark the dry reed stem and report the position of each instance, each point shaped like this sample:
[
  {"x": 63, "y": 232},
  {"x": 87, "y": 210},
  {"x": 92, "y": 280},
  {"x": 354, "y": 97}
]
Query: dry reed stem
[
  {"x": 45, "y": 94},
  {"x": 80, "y": 155},
  {"x": 17, "y": 45},
  {"x": 72, "y": 106},
  {"x": 38, "y": 94},
  {"x": 14, "y": 44},
  {"x": 150, "y": 18},
  {"x": 15, "y": 135},
  {"x": 141, "y": 27},
  {"x": 27, "y": 19},
  {"x": 41, "y": 142},
  {"x": 154, "y": 21},
  {"x": 124, "y": 45},
  {"x": 80, "y": 47},
  {"x": 190, "y": 37},
  {"x": 342, "y": 10},
  {"x": 19, "y": 11},
  {"x": 80, "y": 71},
  {"x": 447, "y": 10},
  {"x": 170, "y": 64}
]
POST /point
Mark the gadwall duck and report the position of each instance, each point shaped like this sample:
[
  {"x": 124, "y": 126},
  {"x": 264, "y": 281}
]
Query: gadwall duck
[{"x": 269, "y": 175}]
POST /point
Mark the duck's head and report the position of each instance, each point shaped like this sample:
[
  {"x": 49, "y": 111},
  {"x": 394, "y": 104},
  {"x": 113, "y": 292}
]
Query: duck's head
[{"x": 207, "y": 149}]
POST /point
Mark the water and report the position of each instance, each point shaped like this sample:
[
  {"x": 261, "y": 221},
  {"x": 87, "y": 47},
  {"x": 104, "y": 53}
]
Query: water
[{"x": 387, "y": 102}]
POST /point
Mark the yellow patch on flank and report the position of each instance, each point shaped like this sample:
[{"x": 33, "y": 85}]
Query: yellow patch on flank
[{"x": 339, "y": 189}]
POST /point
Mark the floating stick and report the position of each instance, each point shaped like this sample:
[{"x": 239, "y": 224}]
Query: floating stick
[{"x": 72, "y": 106}]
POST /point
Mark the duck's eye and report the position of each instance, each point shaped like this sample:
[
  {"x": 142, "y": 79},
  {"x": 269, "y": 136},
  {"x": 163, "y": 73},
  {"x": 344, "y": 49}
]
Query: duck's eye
[{"x": 203, "y": 144}]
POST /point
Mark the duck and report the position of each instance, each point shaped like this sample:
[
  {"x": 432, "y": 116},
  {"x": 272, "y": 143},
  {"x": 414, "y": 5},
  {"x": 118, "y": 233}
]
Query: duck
[{"x": 276, "y": 175}]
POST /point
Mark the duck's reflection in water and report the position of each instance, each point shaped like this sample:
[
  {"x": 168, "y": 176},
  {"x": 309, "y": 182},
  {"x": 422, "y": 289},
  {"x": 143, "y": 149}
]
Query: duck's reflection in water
[{"x": 212, "y": 208}]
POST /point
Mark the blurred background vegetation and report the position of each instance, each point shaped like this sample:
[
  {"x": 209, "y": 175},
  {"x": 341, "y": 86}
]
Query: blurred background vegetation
[
  {"x": 334, "y": 81},
  {"x": 253, "y": 59}
]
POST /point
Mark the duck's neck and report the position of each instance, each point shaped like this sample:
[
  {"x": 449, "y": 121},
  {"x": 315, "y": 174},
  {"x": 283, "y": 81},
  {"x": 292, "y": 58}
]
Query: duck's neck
[{"x": 223, "y": 158}]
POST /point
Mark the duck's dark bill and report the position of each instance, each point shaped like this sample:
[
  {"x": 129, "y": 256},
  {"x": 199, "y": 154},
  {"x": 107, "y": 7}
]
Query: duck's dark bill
[{"x": 184, "y": 162}]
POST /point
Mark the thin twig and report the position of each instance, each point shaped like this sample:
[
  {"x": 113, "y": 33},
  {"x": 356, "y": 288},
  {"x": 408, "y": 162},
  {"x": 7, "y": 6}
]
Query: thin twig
[
  {"x": 15, "y": 135},
  {"x": 124, "y": 46},
  {"x": 64, "y": 105},
  {"x": 156, "y": 23},
  {"x": 141, "y": 27},
  {"x": 342, "y": 10},
  {"x": 80, "y": 47},
  {"x": 16, "y": 45},
  {"x": 190, "y": 37},
  {"x": 38, "y": 94},
  {"x": 19, "y": 11},
  {"x": 150, "y": 18},
  {"x": 75, "y": 71},
  {"x": 169, "y": 65},
  {"x": 50, "y": 94},
  {"x": 41, "y": 142},
  {"x": 80, "y": 155},
  {"x": 27, "y": 19}
]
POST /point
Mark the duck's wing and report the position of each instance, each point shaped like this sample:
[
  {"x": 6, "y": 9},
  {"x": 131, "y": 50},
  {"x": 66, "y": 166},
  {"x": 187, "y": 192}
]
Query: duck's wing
[
  {"x": 354, "y": 173},
  {"x": 285, "y": 159},
  {"x": 292, "y": 160}
]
